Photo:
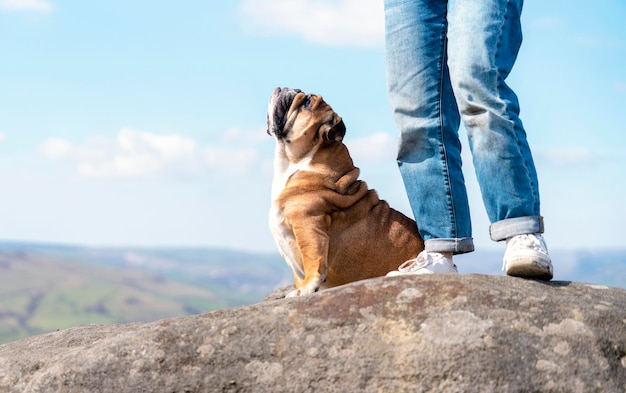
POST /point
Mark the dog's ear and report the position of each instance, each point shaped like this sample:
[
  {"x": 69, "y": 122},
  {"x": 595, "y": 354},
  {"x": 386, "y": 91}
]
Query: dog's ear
[{"x": 336, "y": 132}]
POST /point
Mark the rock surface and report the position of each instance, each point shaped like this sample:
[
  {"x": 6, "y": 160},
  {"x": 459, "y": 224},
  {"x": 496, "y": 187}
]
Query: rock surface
[{"x": 467, "y": 333}]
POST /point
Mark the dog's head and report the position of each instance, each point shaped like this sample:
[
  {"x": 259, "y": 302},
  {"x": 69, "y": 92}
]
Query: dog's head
[{"x": 301, "y": 122}]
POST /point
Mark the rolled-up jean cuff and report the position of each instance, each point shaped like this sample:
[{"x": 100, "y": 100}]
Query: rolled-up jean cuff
[
  {"x": 456, "y": 246},
  {"x": 510, "y": 227}
]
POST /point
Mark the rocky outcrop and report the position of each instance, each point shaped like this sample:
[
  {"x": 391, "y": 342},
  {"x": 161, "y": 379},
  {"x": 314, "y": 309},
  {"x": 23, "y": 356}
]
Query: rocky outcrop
[{"x": 467, "y": 333}]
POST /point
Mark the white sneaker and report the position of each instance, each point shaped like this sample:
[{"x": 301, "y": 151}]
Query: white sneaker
[
  {"x": 426, "y": 263},
  {"x": 527, "y": 256}
]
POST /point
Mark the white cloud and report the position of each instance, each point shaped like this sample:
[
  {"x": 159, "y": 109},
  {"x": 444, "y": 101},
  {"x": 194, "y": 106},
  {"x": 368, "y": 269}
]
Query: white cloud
[
  {"x": 134, "y": 153},
  {"x": 55, "y": 148},
  {"x": 241, "y": 136},
  {"x": 619, "y": 87},
  {"x": 234, "y": 161},
  {"x": 165, "y": 147},
  {"x": 339, "y": 22},
  {"x": 42, "y": 6},
  {"x": 566, "y": 156},
  {"x": 547, "y": 23},
  {"x": 131, "y": 153},
  {"x": 596, "y": 42},
  {"x": 2, "y": 137},
  {"x": 373, "y": 148}
]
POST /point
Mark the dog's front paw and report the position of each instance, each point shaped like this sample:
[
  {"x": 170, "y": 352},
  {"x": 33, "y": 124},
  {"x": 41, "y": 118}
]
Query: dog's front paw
[
  {"x": 294, "y": 293},
  {"x": 305, "y": 290}
]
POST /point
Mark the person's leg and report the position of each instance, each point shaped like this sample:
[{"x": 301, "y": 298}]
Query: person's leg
[
  {"x": 429, "y": 154},
  {"x": 484, "y": 40}
]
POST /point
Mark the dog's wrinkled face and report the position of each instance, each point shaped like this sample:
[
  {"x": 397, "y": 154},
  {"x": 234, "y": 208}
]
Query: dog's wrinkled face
[{"x": 301, "y": 122}]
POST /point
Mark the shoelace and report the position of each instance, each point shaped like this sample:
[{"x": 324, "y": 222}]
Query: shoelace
[
  {"x": 531, "y": 241},
  {"x": 413, "y": 265},
  {"x": 526, "y": 241}
]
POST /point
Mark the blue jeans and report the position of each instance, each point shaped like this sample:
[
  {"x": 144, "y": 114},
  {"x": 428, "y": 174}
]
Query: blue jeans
[{"x": 447, "y": 61}]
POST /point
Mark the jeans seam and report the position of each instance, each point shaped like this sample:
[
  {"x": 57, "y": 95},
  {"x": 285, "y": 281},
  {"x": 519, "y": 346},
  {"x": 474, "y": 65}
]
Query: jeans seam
[
  {"x": 506, "y": 111},
  {"x": 444, "y": 153}
]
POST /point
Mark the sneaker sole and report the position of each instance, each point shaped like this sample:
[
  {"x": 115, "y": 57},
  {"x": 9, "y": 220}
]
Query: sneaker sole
[
  {"x": 396, "y": 273},
  {"x": 532, "y": 270}
]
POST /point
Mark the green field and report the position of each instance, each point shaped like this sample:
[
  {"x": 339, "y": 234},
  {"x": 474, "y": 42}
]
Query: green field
[{"x": 45, "y": 288}]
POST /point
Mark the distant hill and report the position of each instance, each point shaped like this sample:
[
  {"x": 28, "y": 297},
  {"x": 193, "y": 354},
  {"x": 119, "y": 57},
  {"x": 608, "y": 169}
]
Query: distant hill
[
  {"x": 596, "y": 266},
  {"x": 48, "y": 287},
  {"x": 44, "y": 287}
]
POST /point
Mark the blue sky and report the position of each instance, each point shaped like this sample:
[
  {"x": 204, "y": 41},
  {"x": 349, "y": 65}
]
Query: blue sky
[{"x": 143, "y": 122}]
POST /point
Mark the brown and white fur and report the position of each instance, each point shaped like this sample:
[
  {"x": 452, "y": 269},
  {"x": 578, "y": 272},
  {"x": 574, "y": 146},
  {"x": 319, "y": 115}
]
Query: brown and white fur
[{"x": 330, "y": 228}]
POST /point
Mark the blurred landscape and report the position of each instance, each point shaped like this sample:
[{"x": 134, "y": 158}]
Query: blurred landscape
[{"x": 46, "y": 287}]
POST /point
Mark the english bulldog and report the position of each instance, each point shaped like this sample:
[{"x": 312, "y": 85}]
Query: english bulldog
[{"x": 330, "y": 228}]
